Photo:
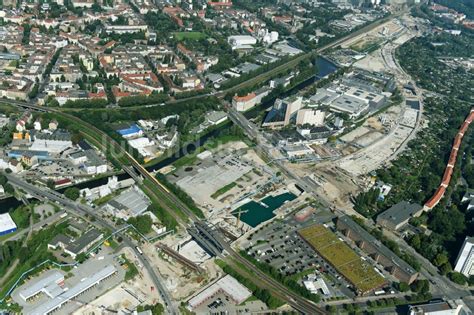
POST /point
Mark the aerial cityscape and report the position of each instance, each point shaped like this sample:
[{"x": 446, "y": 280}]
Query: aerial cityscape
[{"x": 236, "y": 157}]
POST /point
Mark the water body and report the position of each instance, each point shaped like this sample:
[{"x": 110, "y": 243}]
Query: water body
[
  {"x": 254, "y": 213},
  {"x": 8, "y": 204},
  {"x": 324, "y": 67}
]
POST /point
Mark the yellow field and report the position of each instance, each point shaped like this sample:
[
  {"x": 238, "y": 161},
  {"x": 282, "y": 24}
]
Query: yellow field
[{"x": 358, "y": 272}]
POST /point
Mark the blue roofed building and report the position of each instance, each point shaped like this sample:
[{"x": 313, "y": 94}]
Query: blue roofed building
[
  {"x": 18, "y": 154},
  {"x": 130, "y": 132}
]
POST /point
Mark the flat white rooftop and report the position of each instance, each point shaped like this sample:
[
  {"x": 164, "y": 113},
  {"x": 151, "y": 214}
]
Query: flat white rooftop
[
  {"x": 228, "y": 285},
  {"x": 6, "y": 223},
  {"x": 73, "y": 292},
  {"x": 47, "y": 284}
]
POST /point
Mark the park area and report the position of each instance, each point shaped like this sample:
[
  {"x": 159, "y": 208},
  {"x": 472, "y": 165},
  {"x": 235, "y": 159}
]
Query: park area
[{"x": 358, "y": 272}]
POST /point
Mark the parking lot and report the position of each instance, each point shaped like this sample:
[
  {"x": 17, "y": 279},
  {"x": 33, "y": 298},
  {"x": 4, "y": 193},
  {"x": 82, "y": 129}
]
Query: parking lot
[{"x": 279, "y": 245}]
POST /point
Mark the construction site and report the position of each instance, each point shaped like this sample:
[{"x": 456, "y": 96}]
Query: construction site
[{"x": 379, "y": 137}]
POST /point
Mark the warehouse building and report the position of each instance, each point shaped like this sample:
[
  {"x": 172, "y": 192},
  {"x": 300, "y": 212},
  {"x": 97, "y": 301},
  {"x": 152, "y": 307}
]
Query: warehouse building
[
  {"x": 228, "y": 286},
  {"x": 241, "y": 41},
  {"x": 7, "y": 225},
  {"x": 374, "y": 248},
  {"x": 70, "y": 294},
  {"x": 130, "y": 131},
  {"x": 51, "y": 285},
  {"x": 130, "y": 203},
  {"x": 398, "y": 215},
  {"x": 53, "y": 143},
  {"x": 89, "y": 161}
]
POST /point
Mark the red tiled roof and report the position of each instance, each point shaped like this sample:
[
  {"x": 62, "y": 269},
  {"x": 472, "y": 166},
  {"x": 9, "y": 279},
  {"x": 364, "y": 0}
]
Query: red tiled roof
[{"x": 245, "y": 98}]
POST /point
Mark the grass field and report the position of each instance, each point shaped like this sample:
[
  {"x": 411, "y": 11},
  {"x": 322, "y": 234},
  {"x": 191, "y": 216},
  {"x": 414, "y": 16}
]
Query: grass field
[
  {"x": 223, "y": 190},
  {"x": 189, "y": 35},
  {"x": 358, "y": 272}
]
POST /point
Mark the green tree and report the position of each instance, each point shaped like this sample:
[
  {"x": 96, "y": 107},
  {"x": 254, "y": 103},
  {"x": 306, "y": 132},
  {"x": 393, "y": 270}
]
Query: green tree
[
  {"x": 403, "y": 287},
  {"x": 50, "y": 184},
  {"x": 440, "y": 259},
  {"x": 420, "y": 286},
  {"x": 142, "y": 223},
  {"x": 72, "y": 193},
  {"x": 458, "y": 278}
]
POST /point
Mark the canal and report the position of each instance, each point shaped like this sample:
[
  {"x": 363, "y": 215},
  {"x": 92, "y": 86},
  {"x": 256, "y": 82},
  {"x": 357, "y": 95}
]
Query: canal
[{"x": 323, "y": 68}]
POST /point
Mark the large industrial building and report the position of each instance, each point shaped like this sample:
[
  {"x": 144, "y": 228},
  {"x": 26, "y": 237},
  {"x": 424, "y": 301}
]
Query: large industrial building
[
  {"x": 53, "y": 143},
  {"x": 130, "y": 203},
  {"x": 89, "y": 161},
  {"x": 7, "y": 225},
  {"x": 310, "y": 116},
  {"x": 465, "y": 260},
  {"x": 398, "y": 215},
  {"x": 60, "y": 295},
  {"x": 49, "y": 285},
  {"x": 379, "y": 252},
  {"x": 241, "y": 41}
]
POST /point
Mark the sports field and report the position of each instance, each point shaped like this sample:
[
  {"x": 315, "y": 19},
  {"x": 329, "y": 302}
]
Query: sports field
[
  {"x": 189, "y": 35},
  {"x": 357, "y": 271}
]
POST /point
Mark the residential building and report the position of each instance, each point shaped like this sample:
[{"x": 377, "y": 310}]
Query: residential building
[{"x": 246, "y": 102}]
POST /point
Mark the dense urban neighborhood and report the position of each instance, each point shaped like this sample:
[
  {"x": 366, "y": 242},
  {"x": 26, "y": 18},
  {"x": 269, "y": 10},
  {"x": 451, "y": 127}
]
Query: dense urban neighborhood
[{"x": 237, "y": 157}]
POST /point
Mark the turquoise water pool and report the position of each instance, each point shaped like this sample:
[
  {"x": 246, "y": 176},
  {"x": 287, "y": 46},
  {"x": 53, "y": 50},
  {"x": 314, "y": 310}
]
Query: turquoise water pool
[{"x": 254, "y": 213}]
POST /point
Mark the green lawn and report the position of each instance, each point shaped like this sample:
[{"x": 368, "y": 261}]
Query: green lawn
[
  {"x": 223, "y": 190},
  {"x": 189, "y": 35}
]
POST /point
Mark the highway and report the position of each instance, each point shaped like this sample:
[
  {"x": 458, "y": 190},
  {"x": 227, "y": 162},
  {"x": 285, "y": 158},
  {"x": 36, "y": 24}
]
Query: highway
[{"x": 51, "y": 195}]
